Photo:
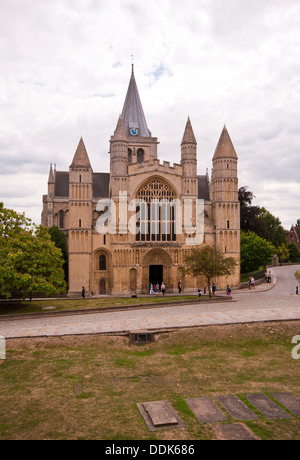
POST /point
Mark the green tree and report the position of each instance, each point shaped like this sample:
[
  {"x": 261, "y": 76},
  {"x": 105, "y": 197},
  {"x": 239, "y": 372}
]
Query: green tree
[
  {"x": 29, "y": 260},
  {"x": 256, "y": 252},
  {"x": 209, "y": 262},
  {"x": 276, "y": 232},
  {"x": 294, "y": 253},
  {"x": 60, "y": 241}
]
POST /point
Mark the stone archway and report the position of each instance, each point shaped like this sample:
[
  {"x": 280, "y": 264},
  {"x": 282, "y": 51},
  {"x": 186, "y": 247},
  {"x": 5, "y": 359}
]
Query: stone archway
[{"x": 157, "y": 261}]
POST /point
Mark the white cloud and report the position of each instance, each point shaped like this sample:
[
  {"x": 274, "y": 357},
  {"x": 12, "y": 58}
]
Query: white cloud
[{"x": 66, "y": 68}]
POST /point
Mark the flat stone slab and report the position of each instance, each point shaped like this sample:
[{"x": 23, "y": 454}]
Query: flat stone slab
[
  {"x": 160, "y": 415},
  {"x": 289, "y": 401},
  {"x": 267, "y": 407},
  {"x": 236, "y": 408},
  {"x": 237, "y": 432},
  {"x": 205, "y": 410}
]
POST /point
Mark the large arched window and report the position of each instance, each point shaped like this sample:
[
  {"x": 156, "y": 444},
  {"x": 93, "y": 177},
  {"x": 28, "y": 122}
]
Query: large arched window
[{"x": 156, "y": 212}]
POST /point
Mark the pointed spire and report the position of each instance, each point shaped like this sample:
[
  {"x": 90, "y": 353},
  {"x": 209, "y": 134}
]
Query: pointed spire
[
  {"x": 81, "y": 158},
  {"x": 51, "y": 176},
  {"x": 120, "y": 133},
  {"x": 188, "y": 136},
  {"x": 225, "y": 148},
  {"x": 133, "y": 114}
]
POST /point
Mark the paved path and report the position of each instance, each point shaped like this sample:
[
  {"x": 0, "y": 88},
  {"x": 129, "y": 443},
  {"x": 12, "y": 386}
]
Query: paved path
[{"x": 262, "y": 304}]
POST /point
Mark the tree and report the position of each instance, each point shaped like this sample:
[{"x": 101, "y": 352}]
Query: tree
[
  {"x": 29, "y": 260},
  {"x": 250, "y": 214},
  {"x": 256, "y": 252},
  {"x": 60, "y": 241},
  {"x": 294, "y": 253},
  {"x": 276, "y": 232},
  {"x": 209, "y": 262}
]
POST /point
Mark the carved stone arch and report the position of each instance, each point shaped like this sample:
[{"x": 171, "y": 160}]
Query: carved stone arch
[
  {"x": 157, "y": 257},
  {"x": 102, "y": 272}
]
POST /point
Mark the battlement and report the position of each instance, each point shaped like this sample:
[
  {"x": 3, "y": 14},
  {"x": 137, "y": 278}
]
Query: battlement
[{"x": 155, "y": 165}]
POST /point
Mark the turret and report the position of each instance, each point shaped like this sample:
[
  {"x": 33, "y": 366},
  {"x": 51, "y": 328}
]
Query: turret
[{"x": 189, "y": 161}]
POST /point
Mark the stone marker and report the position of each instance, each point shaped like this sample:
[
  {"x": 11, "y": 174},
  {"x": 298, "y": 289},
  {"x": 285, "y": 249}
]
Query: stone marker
[
  {"x": 237, "y": 432},
  {"x": 159, "y": 415},
  {"x": 289, "y": 401},
  {"x": 205, "y": 410},
  {"x": 236, "y": 408},
  {"x": 267, "y": 407}
]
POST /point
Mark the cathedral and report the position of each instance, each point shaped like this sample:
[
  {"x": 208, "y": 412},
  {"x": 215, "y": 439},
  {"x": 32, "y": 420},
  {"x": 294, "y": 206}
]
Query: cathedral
[{"x": 132, "y": 227}]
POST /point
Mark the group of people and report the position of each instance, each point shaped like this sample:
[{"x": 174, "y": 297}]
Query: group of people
[
  {"x": 156, "y": 289},
  {"x": 213, "y": 289},
  {"x": 268, "y": 277}
]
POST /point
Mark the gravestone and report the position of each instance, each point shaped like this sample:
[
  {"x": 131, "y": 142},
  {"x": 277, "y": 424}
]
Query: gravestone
[
  {"x": 267, "y": 407},
  {"x": 237, "y": 432},
  {"x": 236, "y": 408},
  {"x": 205, "y": 410},
  {"x": 159, "y": 415},
  {"x": 289, "y": 401}
]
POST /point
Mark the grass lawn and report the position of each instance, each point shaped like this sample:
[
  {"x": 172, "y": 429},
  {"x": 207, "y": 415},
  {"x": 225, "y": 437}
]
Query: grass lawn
[
  {"x": 38, "y": 306},
  {"x": 87, "y": 387}
]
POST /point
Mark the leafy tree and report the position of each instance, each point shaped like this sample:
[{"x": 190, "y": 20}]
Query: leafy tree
[
  {"x": 60, "y": 241},
  {"x": 276, "y": 232},
  {"x": 283, "y": 252},
  {"x": 256, "y": 252},
  {"x": 250, "y": 214},
  {"x": 209, "y": 262},
  {"x": 294, "y": 253},
  {"x": 29, "y": 260}
]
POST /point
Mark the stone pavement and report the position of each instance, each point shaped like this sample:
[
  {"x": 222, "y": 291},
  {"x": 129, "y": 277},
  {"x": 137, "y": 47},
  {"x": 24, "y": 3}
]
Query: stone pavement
[{"x": 277, "y": 302}]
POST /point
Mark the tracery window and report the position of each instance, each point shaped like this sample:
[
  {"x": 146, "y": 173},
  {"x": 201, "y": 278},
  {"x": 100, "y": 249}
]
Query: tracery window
[{"x": 156, "y": 212}]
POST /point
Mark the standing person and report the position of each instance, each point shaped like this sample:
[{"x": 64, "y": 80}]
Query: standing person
[
  {"x": 269, "y": 277},
  {"x": 199, "y": 292},
  {"x": 151, "y": 289},
  {"x": 214, "y": 288},
  {"x": 163, "y": 288},
  {"x": 228, "y": 290},
  {"x": 179, "y": 287},
  {"x": 252, "y": 283},
  {"x": 83, "y": 292}
]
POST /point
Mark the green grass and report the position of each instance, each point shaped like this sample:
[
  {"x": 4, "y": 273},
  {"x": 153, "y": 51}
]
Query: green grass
[
  {"x": 88, "y": 387},
  {"x": 37, "y": 306}
]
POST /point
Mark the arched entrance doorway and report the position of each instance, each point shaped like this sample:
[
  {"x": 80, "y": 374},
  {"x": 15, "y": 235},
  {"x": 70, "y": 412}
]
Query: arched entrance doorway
[
  {"x": 102, "y": 288},
  {"x": 157, "y": 265}
]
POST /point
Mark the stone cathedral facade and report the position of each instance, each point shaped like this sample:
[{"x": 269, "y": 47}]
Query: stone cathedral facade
[{"x": 108, "y": 259}]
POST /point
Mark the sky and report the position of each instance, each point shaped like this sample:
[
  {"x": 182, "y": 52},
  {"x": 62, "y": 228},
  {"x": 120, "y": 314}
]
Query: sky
[{"x": 65, "y": 67}]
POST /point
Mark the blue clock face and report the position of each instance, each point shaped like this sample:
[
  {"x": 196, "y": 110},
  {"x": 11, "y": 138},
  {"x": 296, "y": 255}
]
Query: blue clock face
[{"x": 134, "y": 131}]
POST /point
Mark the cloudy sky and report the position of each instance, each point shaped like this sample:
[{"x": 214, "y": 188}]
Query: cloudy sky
[{"x": 65, "y": 67}]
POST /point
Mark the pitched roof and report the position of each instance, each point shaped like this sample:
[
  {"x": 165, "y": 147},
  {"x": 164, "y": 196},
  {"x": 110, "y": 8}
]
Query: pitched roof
[
  {"x": 81, "y": 158},
  {"x": 100, "y": 184},
  {"x": 225, "y": 147},
  {"x": 188, "y": 136},
  {"x": 120, "y": 133},
  {"x": 133, "y": 114}
]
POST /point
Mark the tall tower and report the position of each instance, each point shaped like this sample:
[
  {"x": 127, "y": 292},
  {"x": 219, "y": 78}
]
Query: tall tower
[
  {"x": 80, "y": 220},
  {"x": 189, "y": 162},
  {"x": 225, "y": 202}
]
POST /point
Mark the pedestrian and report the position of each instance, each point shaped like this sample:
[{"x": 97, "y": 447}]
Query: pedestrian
[
  {"x": 199, "y": 292},
  {"x": 163, "y": 288},
  {"x": 249, "y": 282},
  {"x": 252, "y": 281},
  {"x": 83, "y": 292},
  {"x": 151, "y": 289},
  {"x": 179, "y": 287},
  {"x": 214, "y": 288},
  {"x": 269, "y": 277},
  {"x": 228, "y": 290}
]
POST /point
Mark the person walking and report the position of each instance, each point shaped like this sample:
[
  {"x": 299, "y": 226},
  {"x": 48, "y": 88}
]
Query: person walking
[
  {"x": 214, "y": 288},
  {"x": 83, "y": 292},
  {"x": 179, "y": 287},
  {"x": 163, "y": 288},
  {"x": 228, "y": 290},
  {"x": 199, "y": 292},
  {"x": 151, "y": 289}
]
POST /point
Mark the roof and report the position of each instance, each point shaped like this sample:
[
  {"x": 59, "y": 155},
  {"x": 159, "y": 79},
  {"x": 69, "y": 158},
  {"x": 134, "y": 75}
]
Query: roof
[
  {"x": 188, "y": 136},
  {"x": 203, "y": 188},
  {"x": 225, "y": 147},
  {"x": 81, "y": 158},
  {"x": 100, "y": 184},
  {"x": 133, "y": 114}
]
